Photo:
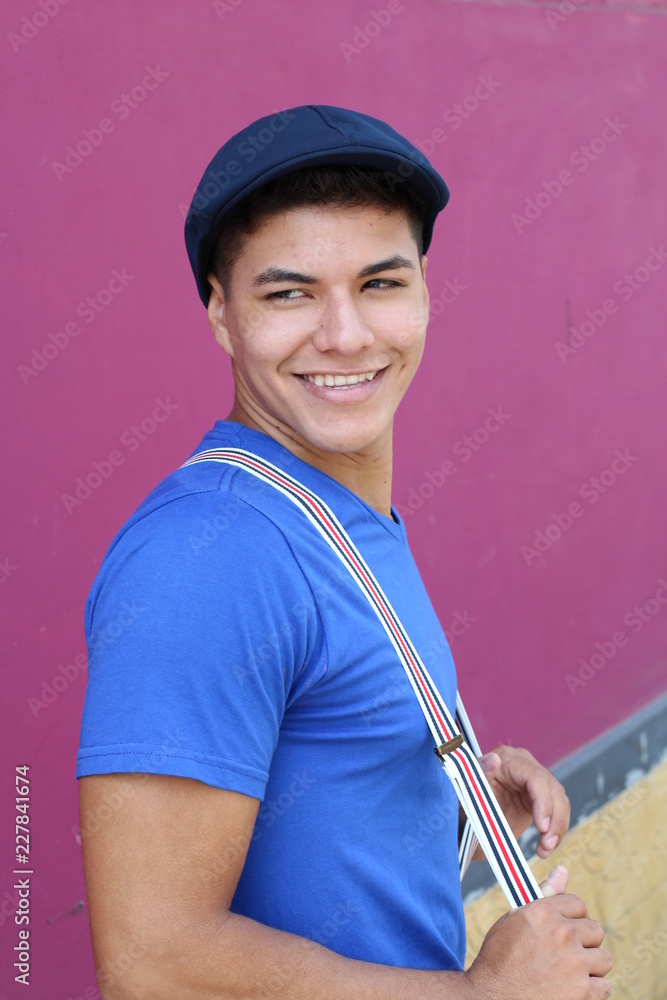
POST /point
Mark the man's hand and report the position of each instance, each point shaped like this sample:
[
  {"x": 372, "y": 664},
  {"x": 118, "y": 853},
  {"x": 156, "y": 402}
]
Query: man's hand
[
  {"x": 548, "y": 948},
  {"x": 527, "y": 793}
]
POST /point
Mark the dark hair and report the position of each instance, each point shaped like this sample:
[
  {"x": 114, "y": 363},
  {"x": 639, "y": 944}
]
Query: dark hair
[{"x": 331, "y": 185}]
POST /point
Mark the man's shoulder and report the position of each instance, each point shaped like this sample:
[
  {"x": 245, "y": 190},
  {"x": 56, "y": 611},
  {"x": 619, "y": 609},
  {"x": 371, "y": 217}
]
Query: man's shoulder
[
  {"x": 196, "y": 507},
  {"x": 204, "y": 499}
]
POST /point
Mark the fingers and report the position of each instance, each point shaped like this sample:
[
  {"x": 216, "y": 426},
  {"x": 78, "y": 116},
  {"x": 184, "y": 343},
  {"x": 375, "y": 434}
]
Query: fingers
[
  {"x": 549, "y": 948},
  {"x": 602, "y": 963},
  {"x": 565, "y": 903},
  {"x": 490, "y": 762},
  {"x": 572, "y": 906},
  {"x": 546, "y": 798},
  {"x": 591, "y": 934},
  {"x": 556, "y": 882},
  {"x": 551, "y": 809}
]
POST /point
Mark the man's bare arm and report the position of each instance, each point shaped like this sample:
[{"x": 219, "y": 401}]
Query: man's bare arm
[{"x": 162, "y": 859}]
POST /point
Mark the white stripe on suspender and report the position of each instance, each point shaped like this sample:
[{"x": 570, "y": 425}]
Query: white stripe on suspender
[{"x": 486, "y": 822}]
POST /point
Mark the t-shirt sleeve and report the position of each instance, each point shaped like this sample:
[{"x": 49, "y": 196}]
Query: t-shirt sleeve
[{"x": 197, "y": 634}]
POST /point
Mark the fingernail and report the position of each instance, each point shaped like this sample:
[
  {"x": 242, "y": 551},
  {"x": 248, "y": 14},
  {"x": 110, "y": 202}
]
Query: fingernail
[{"x": 551, "y": 842}]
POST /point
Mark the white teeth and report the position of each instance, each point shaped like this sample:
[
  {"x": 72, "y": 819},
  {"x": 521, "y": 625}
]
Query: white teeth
[{"x": 340, "y": 380}]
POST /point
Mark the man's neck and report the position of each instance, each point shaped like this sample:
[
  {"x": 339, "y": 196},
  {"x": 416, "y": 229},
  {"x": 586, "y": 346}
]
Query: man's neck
[{"x": 367, "y": 474}]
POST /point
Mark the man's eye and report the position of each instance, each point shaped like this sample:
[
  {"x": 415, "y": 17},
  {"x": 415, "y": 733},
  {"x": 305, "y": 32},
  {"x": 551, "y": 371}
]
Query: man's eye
[
  {"x": 386, "y": 284},
  {"x": 286, "y": 295}
]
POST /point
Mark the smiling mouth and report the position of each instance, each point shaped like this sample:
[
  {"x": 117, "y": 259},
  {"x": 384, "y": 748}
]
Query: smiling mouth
[{"x": 341, "y": 381}]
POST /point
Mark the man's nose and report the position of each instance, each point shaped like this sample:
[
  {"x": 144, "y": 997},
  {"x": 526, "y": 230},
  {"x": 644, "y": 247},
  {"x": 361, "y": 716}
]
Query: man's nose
[{"x": 342, "y": 327}]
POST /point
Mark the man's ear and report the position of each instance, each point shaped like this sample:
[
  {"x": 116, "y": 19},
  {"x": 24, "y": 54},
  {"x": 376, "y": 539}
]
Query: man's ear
[
  {"x": 216, "y": 315},
  {"x": 424, "y": 262}
]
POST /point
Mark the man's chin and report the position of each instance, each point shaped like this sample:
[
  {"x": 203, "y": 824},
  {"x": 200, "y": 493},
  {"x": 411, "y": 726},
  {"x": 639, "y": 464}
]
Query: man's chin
[{"x": 363, "y": 443}]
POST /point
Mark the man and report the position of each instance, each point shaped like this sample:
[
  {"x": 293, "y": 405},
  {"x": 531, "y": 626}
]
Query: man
[{"x": 254, "y": 764}]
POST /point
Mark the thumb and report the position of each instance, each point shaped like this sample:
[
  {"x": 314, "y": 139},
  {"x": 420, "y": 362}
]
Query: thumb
[
  {"x": 490, "y": 762},
  {"x": 556, "y": 883}
]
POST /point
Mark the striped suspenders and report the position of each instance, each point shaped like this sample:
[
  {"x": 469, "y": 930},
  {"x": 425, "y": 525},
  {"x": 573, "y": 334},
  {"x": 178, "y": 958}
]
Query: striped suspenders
[{"x": 455, "y": 742}]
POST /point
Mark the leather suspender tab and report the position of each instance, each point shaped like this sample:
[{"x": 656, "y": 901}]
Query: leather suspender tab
[{"x": 447, "y": 747}]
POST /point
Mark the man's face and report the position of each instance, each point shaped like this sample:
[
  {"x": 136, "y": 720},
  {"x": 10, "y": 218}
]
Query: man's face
[{"x": 325, "y": 324}]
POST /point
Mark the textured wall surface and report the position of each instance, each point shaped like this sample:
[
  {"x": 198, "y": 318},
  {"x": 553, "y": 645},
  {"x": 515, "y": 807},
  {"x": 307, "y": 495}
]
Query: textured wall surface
[{"x": 528, "y": 455}]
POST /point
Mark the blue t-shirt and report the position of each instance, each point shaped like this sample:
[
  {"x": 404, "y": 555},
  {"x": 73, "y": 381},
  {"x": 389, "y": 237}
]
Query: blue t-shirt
[{"x": 228, "y": 644}]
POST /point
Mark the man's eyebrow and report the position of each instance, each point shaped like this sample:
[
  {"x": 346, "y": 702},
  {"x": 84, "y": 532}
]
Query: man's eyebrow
[
  {"x": 276, "y": 274},
  {"x": 272, "y": 274},
  {"x": 390, "y": 264}
]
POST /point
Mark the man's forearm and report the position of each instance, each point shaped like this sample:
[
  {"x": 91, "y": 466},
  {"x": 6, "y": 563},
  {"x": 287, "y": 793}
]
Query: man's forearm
[{"x": 234, "y": 958}]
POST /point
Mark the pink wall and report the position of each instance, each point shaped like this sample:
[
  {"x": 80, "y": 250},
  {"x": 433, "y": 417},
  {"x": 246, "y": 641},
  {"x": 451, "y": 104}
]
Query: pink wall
[{"x": 524, "y": 621}]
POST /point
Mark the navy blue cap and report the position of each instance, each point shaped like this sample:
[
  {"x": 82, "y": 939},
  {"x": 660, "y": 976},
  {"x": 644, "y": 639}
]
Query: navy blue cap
[{"x": 307, "y": 136}]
